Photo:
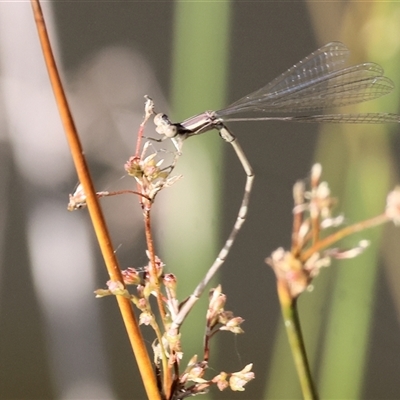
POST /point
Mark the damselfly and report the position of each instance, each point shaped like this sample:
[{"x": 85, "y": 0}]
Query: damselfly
[{"x": 318, "y": 82}]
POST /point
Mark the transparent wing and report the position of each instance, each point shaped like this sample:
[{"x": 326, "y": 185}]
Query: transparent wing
[
  {"x": 315, "y": 83},
  {"x": 352, "y": 85},
  {"x": 362, "y": 118}
]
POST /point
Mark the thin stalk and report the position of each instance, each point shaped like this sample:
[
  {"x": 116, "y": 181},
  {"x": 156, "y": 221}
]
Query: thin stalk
[
  {"x": 297, "y": 217},
  {"x": 293, "y": 330},
  {"x": 118, "y": 192},
  {"x": 95, "y": 212},
  {"x": 348, "y": 230},
  {"x": 167, "y": 382},
  {"x": 153, "y": 270}
]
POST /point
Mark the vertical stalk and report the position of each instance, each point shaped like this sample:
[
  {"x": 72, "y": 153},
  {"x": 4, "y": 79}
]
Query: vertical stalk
[
  {"x": 95, "y": 212},
  {"x": 293, "y": 329}
]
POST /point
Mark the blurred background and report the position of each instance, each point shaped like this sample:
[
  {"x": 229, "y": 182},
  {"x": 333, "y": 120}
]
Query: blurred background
[{"x": 56, "y": 340}]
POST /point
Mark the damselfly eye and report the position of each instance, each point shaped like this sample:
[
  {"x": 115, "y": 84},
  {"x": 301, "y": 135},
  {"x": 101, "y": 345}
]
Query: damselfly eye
[
  {"x": 161, "y": 119},
  {"x": 170, "y": 131},
  {"x": 164, "y": 126}
]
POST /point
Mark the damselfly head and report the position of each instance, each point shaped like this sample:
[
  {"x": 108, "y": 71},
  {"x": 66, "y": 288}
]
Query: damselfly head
[{"x": 164, "y": 126}]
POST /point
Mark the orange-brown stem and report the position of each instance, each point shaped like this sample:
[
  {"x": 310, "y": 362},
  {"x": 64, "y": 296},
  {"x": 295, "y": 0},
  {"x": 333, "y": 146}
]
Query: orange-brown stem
[{"x": 96, "y": 215}]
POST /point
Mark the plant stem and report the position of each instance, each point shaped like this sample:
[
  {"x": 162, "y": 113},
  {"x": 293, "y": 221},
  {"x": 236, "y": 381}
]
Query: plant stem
[
  {"x": 293, "y": 329},
  {"x": 153, "y": 270},
  {"x": 348, "y": 230},
  {"x": 95, "y": 212},
  {"x": 156, "y": 284}
]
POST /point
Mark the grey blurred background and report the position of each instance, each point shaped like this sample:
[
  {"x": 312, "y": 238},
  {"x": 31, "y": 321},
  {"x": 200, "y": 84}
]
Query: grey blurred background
[{"x": 56, "y": 340}]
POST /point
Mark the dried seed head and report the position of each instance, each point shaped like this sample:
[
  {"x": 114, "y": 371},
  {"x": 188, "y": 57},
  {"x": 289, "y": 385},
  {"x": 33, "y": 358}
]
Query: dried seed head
[
  {"x": 77, "y": 200},
  {"x": 298, "y": 193},
  {"x": 148, "y": 108},
  {"x": 131, "y": 276},
  {"x": 238, "y": 380},
  {"x": 149, "y": 174},
  {"x": 221, "y": 381},
  {"x": 393, "y": 205},
  {"x": 170, "y": 281},
  {"x": 316, "y": 172},
  {"x": 290, "y": 270}
]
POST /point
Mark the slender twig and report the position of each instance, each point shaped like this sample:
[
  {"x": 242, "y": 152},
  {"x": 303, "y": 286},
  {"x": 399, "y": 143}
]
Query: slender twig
[
  {"x": 149, "y": 111},
  {"x": 166, "y": 381},
  {"x": 118, "y": 192},
  {"x": 154, "y": 280},
  {"x": 298, "y": 215},
  {"x": 153, "y": 270},
  {"x": 348, "y": 230},
  {"x": 139, "y": 140},
  {"x": 96, "y": 215}
]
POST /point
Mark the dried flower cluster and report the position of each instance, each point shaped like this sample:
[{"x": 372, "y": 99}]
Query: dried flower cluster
[
  {"x": 149, "y": 175},
  {"x": 167, "y": 347},
  {"x": 150, "y": 178},
  {"x": 311, "y": 245}
]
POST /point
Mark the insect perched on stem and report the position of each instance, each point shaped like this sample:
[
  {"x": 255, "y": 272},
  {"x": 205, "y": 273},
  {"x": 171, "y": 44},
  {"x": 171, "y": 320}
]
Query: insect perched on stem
[{"x": 317, "y": 82}]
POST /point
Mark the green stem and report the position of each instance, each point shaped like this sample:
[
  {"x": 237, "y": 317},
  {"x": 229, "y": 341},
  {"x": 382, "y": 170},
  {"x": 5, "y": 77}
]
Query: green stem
[{"x": 293, "y": 330}]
